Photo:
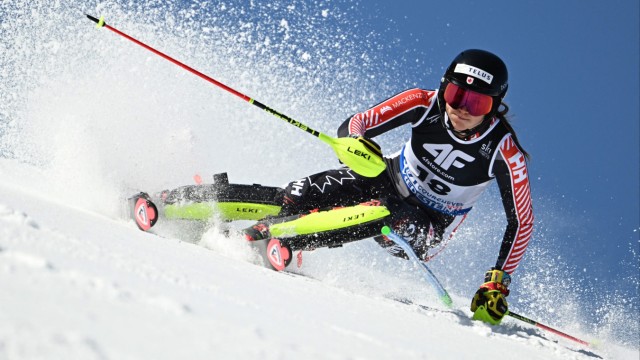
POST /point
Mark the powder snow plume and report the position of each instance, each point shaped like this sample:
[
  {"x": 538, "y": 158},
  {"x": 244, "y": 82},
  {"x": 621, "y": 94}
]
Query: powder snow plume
[{"x": 100, "y": 110}]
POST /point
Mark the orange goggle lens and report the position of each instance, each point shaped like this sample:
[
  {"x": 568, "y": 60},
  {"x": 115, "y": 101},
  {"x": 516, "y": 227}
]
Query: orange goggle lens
[{"x": 474, "y": 102}]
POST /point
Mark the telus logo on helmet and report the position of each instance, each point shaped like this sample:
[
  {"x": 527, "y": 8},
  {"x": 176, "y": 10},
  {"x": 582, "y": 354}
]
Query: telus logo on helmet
[{"x": 475, "y": 72}]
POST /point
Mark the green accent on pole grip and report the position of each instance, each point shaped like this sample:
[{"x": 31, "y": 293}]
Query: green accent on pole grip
[
  {"x": 100, "y": 22},
  {"x": 385, "y": 230}
]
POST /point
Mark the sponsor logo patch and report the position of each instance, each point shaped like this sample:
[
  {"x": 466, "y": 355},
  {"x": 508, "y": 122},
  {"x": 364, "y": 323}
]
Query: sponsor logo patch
[
  {"x": 141, "y": 214},
  {"x": 486, "y": 150},
  {"x": 475, "y": 72},
  {"x": 446, "y": 156},
  {"x": 274, "y": 254},
  {"x": 322, "y": 182}
]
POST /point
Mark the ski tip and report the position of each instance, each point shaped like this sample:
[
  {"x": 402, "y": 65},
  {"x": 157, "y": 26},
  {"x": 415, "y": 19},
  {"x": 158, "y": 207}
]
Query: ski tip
[{"x": 385, "y": 230}]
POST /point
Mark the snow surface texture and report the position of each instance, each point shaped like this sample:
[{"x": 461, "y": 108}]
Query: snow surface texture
[
  {"x": 88, "y": 117},
  {"x": 79, "y": 285}
]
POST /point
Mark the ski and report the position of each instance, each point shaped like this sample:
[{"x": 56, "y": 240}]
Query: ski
[{"x": 202, "y": 202}]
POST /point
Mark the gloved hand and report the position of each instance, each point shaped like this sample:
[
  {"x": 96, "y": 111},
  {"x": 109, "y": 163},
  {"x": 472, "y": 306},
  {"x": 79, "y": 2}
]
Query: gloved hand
[
  {"x": 369, "y": 144},
  {"x": 489, "y": 303}
]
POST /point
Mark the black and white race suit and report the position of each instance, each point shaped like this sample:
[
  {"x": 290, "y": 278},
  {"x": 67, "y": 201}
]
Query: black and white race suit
[{"x": 437, "y": 176}]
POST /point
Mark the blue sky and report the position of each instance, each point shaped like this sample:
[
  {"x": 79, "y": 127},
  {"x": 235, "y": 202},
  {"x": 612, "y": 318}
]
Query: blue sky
[{"x": 574, "y": 96}]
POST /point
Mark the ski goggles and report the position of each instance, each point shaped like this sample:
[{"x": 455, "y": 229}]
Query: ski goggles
[{"x": 474, "y": 102}]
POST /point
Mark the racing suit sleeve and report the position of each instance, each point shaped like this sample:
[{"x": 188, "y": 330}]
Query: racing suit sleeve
[
  {"x": 510, "y": 170},
  {"x": 409, "y": 106}
]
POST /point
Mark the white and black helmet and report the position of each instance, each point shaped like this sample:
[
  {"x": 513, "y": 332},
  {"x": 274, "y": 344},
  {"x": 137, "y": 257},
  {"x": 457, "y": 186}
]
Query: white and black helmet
[{"x": 479, "y": 71}]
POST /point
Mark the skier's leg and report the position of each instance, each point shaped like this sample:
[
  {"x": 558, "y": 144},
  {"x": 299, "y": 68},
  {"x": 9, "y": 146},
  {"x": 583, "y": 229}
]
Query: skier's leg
[
  {"x": 276, "y": 238},
  {"x": 326, "y": 209},
  {"x": 337, "y": 226},
  {"x": 331, "y": 188},
  {"x": 202, "y": 202}
]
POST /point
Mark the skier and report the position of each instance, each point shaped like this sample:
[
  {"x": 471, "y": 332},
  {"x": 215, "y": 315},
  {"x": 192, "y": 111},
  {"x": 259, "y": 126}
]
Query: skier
[{"x": 460, "y": 141}]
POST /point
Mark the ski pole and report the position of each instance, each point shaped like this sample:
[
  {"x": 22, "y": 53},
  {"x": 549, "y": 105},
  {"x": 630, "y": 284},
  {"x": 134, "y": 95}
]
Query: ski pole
[
  {"x": 429, "y": 275},
  {"x": 352, "y": 152},
  {"x": 545, "y": 327}
]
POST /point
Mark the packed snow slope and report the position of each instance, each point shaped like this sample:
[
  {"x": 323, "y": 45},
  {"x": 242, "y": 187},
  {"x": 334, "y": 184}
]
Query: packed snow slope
[
  {"x": 77, "y": 284},
  {"x": 88, "y": 118}
]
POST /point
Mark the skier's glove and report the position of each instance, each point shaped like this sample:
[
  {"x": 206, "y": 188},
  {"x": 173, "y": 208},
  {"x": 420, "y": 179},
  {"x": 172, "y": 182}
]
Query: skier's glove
[
  {"x": 489, "y": 303},
  {"x": 369, "y": 144}
]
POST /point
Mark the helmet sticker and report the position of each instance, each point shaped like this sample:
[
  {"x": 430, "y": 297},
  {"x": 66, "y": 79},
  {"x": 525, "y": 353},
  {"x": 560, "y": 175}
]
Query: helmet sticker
[{"x": 474, "y": 71}]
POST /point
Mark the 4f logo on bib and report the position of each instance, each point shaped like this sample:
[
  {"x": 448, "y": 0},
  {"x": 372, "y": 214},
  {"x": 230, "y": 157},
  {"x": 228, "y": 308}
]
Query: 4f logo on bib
[{"x": 445, "y": 157}]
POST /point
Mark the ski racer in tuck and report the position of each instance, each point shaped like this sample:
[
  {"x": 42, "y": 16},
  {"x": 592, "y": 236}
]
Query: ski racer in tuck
[{"x": 460, "y": 141}]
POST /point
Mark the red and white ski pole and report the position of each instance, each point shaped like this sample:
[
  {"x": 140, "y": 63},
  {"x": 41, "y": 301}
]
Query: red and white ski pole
[
  {"x": 355, "y": 153},
  {"x": 547, "y": 328}
]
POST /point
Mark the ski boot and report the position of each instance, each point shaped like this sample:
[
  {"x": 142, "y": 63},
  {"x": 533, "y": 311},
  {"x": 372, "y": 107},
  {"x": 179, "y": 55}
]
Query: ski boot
[{"x": 276, "y": 254}]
